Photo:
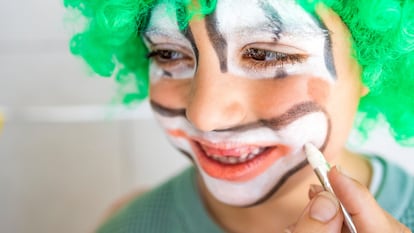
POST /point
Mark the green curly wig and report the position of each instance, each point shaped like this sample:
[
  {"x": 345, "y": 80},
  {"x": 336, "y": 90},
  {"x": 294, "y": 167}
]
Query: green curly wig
[{"x": 382, "y": 31}]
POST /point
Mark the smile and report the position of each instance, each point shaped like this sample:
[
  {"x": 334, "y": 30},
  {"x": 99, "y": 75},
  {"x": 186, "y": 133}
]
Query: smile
[
  {"x": 236, "y": 163},
  {"x": 229, "y": 159}
]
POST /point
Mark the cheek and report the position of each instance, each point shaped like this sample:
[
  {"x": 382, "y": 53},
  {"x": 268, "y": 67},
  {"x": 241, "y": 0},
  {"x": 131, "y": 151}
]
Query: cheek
[
  {"x": 171, "y": 93},
  {"x": 275, "y": 97},
  {"x": 318, "y": 90}
]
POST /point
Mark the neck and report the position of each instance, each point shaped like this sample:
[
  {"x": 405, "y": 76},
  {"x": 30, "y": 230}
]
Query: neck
[{"x": 285, "y": 206}]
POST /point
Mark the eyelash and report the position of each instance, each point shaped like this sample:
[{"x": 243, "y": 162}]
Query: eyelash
[
  {"x": 252, "y": 58},
  {"x": 278, "y": 59},
  {"x": 168, "y": 58},
  {"x": 164, "y": 52}
]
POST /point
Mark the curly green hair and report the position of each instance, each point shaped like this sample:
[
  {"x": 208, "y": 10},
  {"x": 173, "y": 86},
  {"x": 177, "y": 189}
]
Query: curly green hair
[{"x": 382, "y": 31}]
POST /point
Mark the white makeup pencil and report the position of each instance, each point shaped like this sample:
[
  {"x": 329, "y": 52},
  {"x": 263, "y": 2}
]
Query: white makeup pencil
[{"x": 321, "y": 167}]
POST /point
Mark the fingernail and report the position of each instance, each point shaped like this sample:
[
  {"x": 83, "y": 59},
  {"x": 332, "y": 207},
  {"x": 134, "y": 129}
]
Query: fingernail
[
  {"x": 314, "y": 189},
  {"x": 342, "y": 171},
  {"x": 324, "y": 207},
  {"x": 289, "y": 229}
]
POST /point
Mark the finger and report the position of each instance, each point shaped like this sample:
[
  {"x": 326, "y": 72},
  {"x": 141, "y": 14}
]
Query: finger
[
  {"x": 367, "y": 215},
  {"x": 322, "y": 215},
  {"x": 314, "y": 189}
]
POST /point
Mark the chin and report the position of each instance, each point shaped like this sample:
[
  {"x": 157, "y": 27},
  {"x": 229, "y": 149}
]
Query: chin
[{"x": 256, "y": 189}]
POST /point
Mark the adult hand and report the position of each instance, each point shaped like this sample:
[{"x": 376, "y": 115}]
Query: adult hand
[{"x": 323, "y": 214}]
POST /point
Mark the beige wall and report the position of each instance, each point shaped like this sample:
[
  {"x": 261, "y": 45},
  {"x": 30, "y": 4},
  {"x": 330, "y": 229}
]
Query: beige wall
[{"x": 65, "y": 155}]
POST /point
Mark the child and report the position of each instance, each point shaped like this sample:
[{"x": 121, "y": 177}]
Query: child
[{"x": 241, "y": 86}]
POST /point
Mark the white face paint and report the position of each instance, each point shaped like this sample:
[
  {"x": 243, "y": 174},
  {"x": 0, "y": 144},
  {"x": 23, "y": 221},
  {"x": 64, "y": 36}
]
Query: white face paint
[
  {"x": 243, "y": 165},
  {"x": 163, "y": 34}
]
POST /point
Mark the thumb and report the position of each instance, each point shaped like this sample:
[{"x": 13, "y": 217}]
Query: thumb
[
  {"x": 321, "y": 215},
  {"x": 365, "y": 212}
]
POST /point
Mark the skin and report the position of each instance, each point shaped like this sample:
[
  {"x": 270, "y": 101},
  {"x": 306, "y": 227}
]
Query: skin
[
  {"x": 215, "y": 102},
  {"x": 260, "y": 117},
  {"x": 370, "y": 218}
]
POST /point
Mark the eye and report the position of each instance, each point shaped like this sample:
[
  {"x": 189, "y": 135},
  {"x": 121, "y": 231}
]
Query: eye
[
  {"x": 263, "y": 58},
  {"x": 263, "y": 55},
  {"x": 170, "y": 59},
  {"x": 165, "y": 55}
]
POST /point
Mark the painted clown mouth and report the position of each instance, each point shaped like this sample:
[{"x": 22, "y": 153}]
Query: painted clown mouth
[
  {"x": 233, "y": 156},
  {"x": 237, "y": 163}
]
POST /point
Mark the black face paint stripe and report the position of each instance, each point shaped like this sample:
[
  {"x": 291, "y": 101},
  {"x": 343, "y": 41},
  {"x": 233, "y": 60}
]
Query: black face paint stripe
[
  {"x": 279, "y": 184},
  {"x": 274, "y": 18},
  {"x": 181, "y": 16},
  {"x": 189, "y": 35},
  {"x": 277, "y": 123},
  {"x": 328, "y": 53},
  {"x": 329, "y": 58},
  {"x": 295, "y": 112},
  {"x": 188, "y": 155},
  {"x": 166, "y": 112},
  {"x": 292, "y": 171},
  {"x": 217, "y": 40},
  {"x": 167, "y": 73}
]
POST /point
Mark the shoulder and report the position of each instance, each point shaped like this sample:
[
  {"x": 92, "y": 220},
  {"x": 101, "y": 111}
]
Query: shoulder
[
  {"x": 152, "y": 211},
  {"x": 395, "y": 192}
]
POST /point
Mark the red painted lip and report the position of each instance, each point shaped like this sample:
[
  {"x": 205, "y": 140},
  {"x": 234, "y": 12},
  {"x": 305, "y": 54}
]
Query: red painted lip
[
  {"x": 232, "y": 172},
  {"x": 242, "y": 171}
]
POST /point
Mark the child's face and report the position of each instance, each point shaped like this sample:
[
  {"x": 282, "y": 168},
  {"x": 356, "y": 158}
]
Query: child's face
[{"x": 242, "y": 90}]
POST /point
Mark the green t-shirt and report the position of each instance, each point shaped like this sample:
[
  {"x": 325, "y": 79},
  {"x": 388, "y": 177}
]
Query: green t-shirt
[{"x": 176, "y": 207}]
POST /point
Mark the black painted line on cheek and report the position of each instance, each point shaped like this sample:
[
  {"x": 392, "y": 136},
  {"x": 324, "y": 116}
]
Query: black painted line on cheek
[
  {"x": 292, "y": 114},
  {"x": 188, "y": 155},
  {"x": 279, "y": 122},
  {"x": 280, "y": 183},
  {"x": 295, "y": 169},
  {"x": 217, "y": 40},
  {"x": 166, "y": 112}
]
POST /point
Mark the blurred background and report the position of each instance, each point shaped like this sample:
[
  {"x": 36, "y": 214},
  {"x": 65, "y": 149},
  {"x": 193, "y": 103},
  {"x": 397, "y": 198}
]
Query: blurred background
[{"x": 66, "y": 152}]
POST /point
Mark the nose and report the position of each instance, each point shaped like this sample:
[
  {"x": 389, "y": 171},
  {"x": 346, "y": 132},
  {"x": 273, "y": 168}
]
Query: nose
[{"x": 216, "y": 100}]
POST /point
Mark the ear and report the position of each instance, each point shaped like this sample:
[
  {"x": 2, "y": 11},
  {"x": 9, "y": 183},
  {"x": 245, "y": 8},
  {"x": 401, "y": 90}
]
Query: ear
[{"x": 364, "y": 91}]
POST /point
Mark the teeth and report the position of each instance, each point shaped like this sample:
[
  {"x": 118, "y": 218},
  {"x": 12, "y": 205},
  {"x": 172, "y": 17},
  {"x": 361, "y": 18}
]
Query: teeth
[
  {"x": 244, "y": 157},
  {"x": 237, "y": 159}
]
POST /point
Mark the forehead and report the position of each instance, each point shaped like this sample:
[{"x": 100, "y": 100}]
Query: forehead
[{"x": 242, "y": 16}]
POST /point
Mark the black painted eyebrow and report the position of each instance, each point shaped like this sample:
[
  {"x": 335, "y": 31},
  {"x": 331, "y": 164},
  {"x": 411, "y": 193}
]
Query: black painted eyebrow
[{"x": 275, "y": 22}]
